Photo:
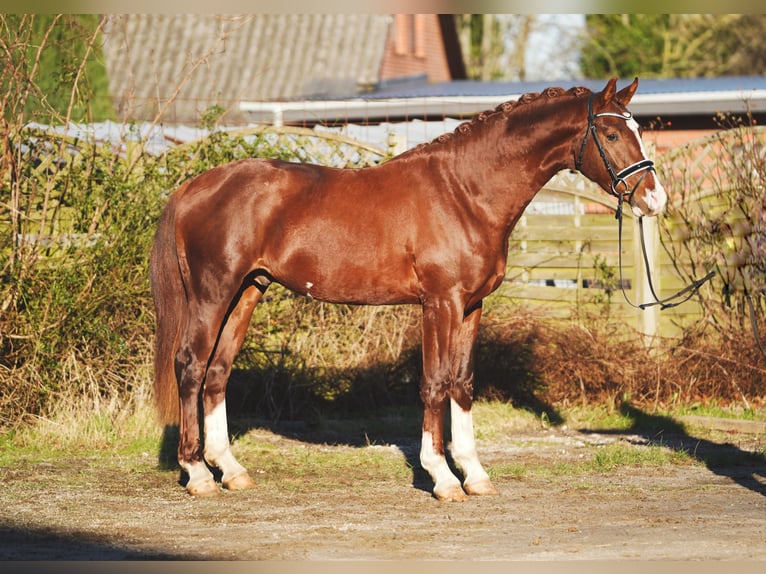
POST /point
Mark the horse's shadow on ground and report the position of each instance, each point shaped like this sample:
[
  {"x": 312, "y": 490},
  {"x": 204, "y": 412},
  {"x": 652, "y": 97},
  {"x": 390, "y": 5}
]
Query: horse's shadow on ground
[
  {"x": 374, "y": 413},
  {"x": 746, "y": 468},
  {"x": 381, "y": 405}
]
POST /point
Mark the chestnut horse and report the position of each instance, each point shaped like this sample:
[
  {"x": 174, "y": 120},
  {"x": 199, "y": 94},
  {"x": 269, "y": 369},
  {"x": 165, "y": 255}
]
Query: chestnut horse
[{"x": 429, "y": 227}]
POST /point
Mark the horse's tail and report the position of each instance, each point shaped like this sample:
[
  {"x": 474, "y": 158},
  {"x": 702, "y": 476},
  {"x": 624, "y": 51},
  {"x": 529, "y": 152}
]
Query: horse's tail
[{"x": 169, "y": 303}]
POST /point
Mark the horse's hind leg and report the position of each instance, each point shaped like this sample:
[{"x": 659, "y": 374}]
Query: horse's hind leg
[
  {"x": 191, "y": 363},
  {"x": 217, "y": 449}
]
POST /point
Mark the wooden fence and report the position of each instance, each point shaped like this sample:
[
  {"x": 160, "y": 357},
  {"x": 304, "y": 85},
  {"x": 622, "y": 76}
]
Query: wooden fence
[{"x": 564, "y": 255}]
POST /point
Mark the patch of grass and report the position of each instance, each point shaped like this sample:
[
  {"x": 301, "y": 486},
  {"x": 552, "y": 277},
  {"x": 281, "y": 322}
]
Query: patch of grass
[
  {"x": 602, "y": 459},
  {"x": 718, "y": 409},
  {"x": 320, "y": 463},
  {"x": 610, "y": 457},
  {"x": 597, "y": 417},
  {"x": 82, "y": 432},
  {"x": 498, "y": 419},
  {"x": 513, "y": 471}
]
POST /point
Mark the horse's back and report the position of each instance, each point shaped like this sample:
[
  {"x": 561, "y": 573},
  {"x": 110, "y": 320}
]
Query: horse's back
[{"x": 343, "y": 235}]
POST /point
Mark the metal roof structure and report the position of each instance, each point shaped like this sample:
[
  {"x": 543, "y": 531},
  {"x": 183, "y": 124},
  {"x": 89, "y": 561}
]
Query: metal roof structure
[{"x": 666, "y": 97}]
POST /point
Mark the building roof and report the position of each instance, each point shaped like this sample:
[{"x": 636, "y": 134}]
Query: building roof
[
  {"x": 417, "y": 88},
  {"x": 669, "y": 96},
  {"x": 233, "y": 58},
  {"x": 417, "y": 98},
  {"x": 326, "y": 67}
]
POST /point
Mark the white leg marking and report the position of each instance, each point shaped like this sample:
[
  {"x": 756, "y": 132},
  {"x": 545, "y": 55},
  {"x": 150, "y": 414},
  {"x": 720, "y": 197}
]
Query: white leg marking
[
  {"x": 464, "y": 450},
  {"x": 446, "y": 484},
  {"x": 217, "y": 450},
  {"x": 198, "y": 471},
  {"x": 200, "y": 479}
]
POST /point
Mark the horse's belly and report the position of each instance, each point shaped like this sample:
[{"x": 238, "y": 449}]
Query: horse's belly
[{"x": 349, "y": 280}]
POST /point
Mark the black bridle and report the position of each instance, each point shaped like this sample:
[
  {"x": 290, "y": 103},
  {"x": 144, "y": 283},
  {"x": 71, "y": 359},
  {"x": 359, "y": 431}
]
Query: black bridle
[{"x": 618, "y": 180}]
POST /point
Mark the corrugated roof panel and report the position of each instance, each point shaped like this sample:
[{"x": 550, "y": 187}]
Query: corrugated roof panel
[{"x": 251, "y": 57}]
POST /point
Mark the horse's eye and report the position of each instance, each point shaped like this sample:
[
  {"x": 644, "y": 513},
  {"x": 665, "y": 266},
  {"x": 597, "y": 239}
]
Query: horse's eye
[{"x": 612, "y": 137}]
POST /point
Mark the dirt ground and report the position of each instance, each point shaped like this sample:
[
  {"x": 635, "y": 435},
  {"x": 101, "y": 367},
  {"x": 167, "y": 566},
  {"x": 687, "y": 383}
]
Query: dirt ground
[{"x": 713, "y": 507}]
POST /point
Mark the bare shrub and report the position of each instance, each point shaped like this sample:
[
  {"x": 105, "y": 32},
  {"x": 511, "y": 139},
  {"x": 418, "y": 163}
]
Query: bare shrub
[{"x": 716, "y": 219}]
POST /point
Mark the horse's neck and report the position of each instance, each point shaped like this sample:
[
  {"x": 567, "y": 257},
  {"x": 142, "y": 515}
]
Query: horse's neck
[{"x": 505, "y": 168}]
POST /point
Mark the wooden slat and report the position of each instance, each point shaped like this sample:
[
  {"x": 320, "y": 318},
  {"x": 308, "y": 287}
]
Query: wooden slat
[{"x": 565, "y": 241}]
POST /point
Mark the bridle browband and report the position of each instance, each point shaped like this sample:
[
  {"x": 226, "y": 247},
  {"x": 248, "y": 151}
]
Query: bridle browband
[{"x": 618, "y": 179}]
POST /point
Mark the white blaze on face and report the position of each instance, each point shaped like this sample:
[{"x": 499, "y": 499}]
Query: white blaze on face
[{"x": 655, "y": 197}]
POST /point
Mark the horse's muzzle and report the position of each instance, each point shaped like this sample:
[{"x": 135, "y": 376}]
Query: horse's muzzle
[{"x": 652, "y": 201}]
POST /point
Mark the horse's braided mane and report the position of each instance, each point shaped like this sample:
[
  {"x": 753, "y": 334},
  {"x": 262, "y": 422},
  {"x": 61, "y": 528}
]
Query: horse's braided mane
[{"x": 504, "y": 109}]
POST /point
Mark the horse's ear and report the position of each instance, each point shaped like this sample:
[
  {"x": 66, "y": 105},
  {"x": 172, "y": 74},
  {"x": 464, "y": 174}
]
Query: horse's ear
[
  {"x": 608, "y": 92},
  {"x": 626, "y": 94}
]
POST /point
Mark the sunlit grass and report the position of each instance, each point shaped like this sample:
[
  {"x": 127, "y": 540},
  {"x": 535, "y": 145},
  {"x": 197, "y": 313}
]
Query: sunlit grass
[
  {"x": 718, "y": 410},
  {"x": 88, "y": 429},
  {"x": 596, "y": 460},
  {"x": 380, "y": 446},
  {"x": 597, "y": 417},
  {"x": 494, "y": 420},
  {"x": 610, "y": 457}
]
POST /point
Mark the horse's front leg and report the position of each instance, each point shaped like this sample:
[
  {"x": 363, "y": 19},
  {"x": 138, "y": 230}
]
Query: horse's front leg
[
  {"x": 441, "y": 323},
  {"x": 476, "y": 480}
]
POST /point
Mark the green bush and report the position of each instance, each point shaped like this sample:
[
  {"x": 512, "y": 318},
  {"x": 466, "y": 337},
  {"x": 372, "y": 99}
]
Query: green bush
[
  {"x": 61, "y": 54},
  {"x": 77, "y": 320}
]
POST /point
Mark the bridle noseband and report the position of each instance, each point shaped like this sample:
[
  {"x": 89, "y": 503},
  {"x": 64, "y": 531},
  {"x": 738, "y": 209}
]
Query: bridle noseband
[{"x": 618, "y": 178}]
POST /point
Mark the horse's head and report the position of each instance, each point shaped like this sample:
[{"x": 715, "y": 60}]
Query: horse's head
[{"x": 612, "y": 154}]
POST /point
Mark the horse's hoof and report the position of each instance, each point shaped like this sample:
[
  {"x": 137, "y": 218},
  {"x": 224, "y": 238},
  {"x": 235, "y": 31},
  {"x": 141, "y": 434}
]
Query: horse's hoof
[
  {"x": 239, "y": 482},
  {"x": 203, "y": 488},
  {"x": 480, "y": 488},
  {"x": 451, "y": 494}
]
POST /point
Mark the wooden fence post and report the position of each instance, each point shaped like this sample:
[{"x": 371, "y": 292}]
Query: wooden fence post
[{"x": 648, "y": 320}]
